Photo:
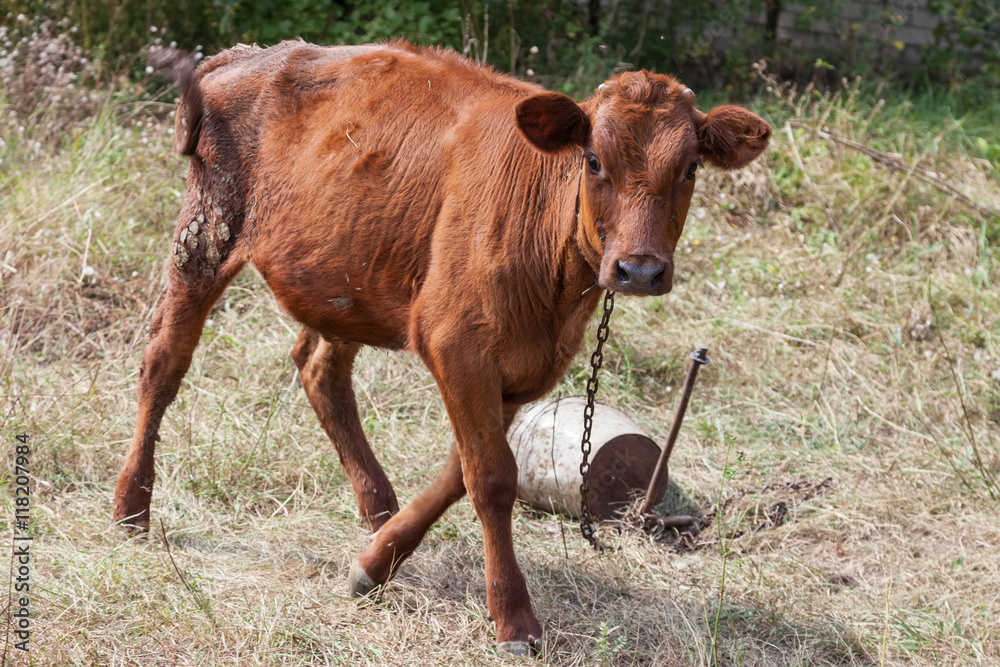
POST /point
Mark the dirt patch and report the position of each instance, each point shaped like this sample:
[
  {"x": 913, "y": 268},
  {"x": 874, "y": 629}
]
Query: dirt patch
[{"x": 746, "y": 511}]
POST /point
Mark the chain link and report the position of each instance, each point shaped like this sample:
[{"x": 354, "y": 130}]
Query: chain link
[{"x": 596, "y": 360}]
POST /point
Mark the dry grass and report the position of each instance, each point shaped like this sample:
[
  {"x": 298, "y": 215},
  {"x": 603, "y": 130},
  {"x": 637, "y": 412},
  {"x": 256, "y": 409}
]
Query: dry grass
[{"x": 887, "y": 285}]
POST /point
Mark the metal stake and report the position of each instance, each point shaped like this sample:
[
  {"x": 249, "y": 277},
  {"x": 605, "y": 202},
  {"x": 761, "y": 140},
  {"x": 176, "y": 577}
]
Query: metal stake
[{"x": 658, "y": 483}]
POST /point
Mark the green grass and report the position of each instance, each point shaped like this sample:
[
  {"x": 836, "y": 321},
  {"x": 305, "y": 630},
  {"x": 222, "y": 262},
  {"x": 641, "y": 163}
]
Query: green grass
[{"x": 814, "y": 297}]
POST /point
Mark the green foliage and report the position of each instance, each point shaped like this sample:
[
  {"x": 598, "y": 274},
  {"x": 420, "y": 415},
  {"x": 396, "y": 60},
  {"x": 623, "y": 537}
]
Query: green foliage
[
  {"x": 966, "y": 37},
  {"x": 567, "y": 45},
  {"x": 270, "y": 21}
]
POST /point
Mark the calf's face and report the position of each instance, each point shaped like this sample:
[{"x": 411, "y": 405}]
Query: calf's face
[{"x": 642, "y": 142}]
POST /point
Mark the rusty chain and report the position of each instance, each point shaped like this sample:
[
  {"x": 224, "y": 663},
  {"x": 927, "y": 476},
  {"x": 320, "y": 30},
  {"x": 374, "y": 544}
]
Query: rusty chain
[{"x": 596, "y": 360}]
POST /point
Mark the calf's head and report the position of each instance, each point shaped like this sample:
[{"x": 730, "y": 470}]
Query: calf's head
[{"x": 642, "y": 142}]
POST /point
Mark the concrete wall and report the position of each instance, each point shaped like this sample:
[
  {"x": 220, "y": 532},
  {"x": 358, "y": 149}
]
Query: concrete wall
[
  {"x": 886, "y": 30},
  {"x": 895, "y": 23}
]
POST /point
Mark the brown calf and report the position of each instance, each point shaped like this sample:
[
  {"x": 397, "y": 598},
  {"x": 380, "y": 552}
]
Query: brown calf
[{"x": 408, "y": 198}]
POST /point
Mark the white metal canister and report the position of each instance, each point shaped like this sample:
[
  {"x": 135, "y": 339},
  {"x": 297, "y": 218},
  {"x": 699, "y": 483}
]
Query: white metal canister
[{"x": 545, "y": 439}]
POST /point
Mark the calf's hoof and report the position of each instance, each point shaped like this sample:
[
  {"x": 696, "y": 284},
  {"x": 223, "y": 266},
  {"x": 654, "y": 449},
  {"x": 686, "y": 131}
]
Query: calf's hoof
[
  {"x": 132, "y": 524},
  {"x": 359, "y": 583},
  {"x": 520, "y": 649}
]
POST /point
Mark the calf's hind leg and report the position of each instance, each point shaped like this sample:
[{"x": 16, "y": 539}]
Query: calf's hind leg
[
  {"x": 173, "y": 337},
  {"x": 400, "y": 537},
  {"x": 325, "y": 368}
]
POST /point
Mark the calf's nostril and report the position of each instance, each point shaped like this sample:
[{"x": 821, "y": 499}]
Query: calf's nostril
[
  {"x": 657, "y": 279},
  {"x": 621, "y": 273}
]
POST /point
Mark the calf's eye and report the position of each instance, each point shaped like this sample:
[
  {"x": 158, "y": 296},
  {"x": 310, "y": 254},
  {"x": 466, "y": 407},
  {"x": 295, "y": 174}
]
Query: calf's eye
[
  {"x": 593, "y": 163},
  {"x": 689, "y": 174}
]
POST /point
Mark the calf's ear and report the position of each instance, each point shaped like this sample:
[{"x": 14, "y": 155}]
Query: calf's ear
[
  {"x": 731, "y": 137},
  {"x": 552, "y": 121}
]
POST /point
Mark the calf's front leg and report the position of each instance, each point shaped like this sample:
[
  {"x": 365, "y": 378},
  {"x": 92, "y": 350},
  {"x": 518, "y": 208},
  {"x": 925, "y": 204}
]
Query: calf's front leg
[{"x": 472, "y": 396}]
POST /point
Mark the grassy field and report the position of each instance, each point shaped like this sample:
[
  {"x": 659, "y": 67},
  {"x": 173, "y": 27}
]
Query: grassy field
[{"x": 851, "y": 313}]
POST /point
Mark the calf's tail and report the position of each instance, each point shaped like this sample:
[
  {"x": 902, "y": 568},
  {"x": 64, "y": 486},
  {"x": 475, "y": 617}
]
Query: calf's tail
[{"x": 179, "y": 69}]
